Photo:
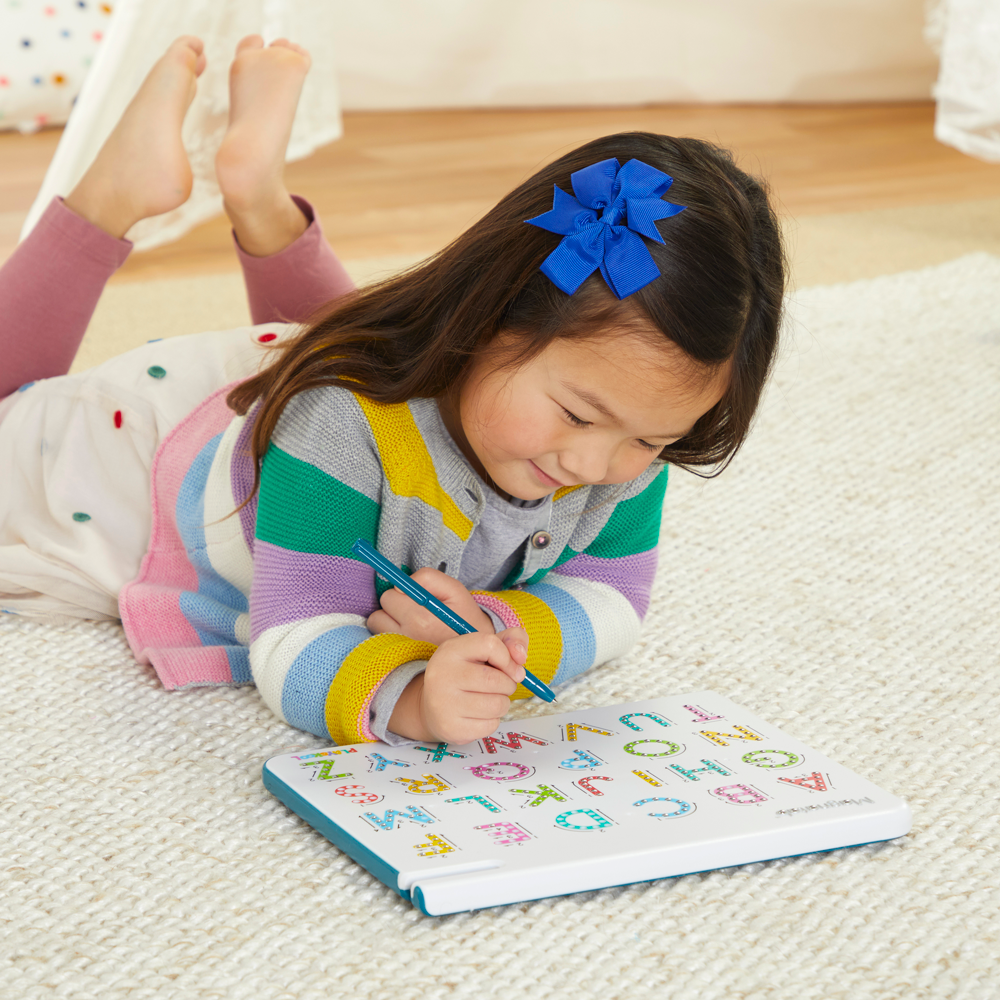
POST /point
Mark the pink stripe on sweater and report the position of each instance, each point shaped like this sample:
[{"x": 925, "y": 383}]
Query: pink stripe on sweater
[
  {"x": 155, "y": 627},
  {"x": 503, "y": 611},
  {"x": 200, "y": 667}
]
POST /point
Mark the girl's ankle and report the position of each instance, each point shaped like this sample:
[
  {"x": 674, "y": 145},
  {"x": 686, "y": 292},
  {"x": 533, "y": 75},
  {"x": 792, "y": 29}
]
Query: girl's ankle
[{"x": 267, "y": 229}]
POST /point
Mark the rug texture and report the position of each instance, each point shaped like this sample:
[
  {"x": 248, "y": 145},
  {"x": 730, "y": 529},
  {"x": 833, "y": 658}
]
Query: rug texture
[{"x": 839, "y": 579}]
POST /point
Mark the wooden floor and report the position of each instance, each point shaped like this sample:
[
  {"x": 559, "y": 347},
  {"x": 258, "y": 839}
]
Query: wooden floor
[{"x": 406, "y": 183}]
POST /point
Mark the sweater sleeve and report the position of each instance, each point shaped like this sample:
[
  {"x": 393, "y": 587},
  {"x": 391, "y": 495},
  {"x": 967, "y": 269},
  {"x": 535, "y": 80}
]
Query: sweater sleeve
[
  {"x": 316, "y": 664},
  {"x": 589, "y": 607}
]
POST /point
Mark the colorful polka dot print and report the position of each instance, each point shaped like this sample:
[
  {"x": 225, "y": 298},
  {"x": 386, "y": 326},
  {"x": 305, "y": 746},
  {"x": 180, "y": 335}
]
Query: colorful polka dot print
[{"x": 45, "y": 51}]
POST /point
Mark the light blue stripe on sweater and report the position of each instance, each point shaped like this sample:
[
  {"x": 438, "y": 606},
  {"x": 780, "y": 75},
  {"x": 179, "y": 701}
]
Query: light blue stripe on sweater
[
  {"x": 579, "y": 644},
  {"x": 212, "y": 611},
  {"x": 303, "y": 696}
]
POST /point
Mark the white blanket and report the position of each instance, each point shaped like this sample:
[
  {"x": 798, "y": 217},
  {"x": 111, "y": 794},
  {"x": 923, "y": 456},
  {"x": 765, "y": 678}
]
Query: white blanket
[{"x": 839, "y": 579}]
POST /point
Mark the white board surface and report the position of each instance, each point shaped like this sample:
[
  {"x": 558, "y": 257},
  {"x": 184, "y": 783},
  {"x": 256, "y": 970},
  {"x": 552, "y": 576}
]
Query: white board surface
[{"x": 582, "y": 800}]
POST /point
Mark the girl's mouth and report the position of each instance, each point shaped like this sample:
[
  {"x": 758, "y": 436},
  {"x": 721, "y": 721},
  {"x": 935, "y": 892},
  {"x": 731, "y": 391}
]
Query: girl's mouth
[{"x": 544, "y": 478}]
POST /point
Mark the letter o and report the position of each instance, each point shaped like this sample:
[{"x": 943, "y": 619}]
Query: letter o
[
  {"x": 683, "y": 808},
  {"x": 482, "y": 770},
  {"x": 673, "y": 748},
  {"x": 753, "y": 758}
]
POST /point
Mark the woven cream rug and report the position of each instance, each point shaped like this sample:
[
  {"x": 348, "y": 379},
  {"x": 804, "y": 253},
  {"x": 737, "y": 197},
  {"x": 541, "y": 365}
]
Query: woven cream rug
[{"x": 840, "y": 580}]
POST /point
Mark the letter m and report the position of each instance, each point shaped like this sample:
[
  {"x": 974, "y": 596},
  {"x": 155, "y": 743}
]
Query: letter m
[{"x": 513, "y": 742}]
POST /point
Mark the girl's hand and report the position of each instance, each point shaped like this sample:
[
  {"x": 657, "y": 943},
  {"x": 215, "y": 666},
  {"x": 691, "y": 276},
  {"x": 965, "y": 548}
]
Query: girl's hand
[
  {"x": 404, "y": 616},
  {"x": 466, "y": 689}
]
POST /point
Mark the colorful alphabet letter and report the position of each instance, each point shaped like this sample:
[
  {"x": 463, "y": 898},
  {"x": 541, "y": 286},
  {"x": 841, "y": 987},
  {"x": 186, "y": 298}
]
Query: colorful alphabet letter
[
  {"x": 358, "y": 794},
  {"x": 815, "y": 781},
  {"x": 626, "y": 719},
  {"x": 580, "y": 761},
  {"x": 701, "y": 715},
  {"x": 646, "y": 776},
  {"x": 481, "y": 799},
  {"x": 427, "y": 784},
  {"x": 489, "y": 771},
  {"x": 541, "y": 793},
  {"x": 440, "y": 752},
  {"x": 391, "y": 818},
  {"x": 600, "y": 821},
  {"x": 683, "y": 808},
  {"x": 513, "y": 742},
  {"x": 671, "y": 748},
  {"x": 505, "y": 834},
  {"x": 434, "y": 845},
  {"x": 739, "y": 795},
  {"x": 719, "y": 739},
  {"x": 692, "y": 773},
  {"x": 572, "y": 728},
  {"x": 771, "y": 758},
  {"x": 585, "y": 783},
  {"x": 380, "y": 763},
  {"x": 324, "y": 770}
]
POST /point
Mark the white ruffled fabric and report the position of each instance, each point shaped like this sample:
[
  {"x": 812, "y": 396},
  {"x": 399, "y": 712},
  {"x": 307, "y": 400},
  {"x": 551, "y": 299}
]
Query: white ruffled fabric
[
  {"x": 968, "y": 87},
  {"x": 137, "y": 36}
]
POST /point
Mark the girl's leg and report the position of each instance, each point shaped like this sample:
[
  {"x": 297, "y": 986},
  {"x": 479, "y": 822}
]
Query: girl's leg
[
  {"x": 48, "y": 290},
  {"x": 49, "y": 287},
  {"x": 289, "y": 268}
]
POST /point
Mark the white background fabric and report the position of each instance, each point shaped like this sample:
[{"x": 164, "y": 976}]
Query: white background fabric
[
  {"x": 968, "y": 87},
  {"x": 140, "y": 30},
  {"x": 838, "y": 580},
  {"x": 46, "y": 49}
]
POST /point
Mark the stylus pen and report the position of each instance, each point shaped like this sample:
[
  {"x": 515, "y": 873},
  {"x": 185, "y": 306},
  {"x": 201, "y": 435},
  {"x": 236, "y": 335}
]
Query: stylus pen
[{"x": 378, "y": 562}]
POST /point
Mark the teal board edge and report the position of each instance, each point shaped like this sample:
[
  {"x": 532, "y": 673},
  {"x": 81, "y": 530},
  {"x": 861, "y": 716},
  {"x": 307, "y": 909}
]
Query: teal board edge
[
  {"x": 417, "y": 897},
  {"x": 339, "y": 837}
]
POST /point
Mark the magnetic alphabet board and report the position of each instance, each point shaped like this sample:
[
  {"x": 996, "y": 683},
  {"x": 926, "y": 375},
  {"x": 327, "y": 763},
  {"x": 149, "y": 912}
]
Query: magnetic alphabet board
[{"x": 582, "y": 800}]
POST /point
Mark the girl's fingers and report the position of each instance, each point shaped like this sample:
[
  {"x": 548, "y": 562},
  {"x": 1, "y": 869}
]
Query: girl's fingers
[
  {"x": 379, "y": 622},
  {"x": 499, "y": 656},
  {"x": 516, "y": 641}
]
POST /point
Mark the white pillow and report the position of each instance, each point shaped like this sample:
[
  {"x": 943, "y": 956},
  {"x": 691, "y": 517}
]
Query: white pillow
[{"x": 46, "y": 47}]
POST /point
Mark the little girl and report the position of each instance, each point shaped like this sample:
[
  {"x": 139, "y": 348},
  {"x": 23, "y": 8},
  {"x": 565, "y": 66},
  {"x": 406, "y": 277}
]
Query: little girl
[{"x": 498, "y": 420}]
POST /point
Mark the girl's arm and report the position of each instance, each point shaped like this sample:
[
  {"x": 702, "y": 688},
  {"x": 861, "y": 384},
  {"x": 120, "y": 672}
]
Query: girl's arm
[
  {"x": 292, "y": 285},
  {"x": 588, "y": 609},
  {"x": 314, "y": 661}
]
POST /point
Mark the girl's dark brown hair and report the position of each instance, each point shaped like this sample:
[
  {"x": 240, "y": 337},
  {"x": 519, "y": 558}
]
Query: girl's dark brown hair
[{"x": 415, "y": 335}]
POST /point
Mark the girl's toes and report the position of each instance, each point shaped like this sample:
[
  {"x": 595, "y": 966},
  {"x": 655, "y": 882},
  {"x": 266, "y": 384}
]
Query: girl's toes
[
  {"x": 284, "y": 43},
  {"x": 250, "y": 42}
]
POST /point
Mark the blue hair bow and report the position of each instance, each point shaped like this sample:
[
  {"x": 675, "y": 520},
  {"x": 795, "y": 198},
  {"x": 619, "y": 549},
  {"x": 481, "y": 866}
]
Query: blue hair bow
[{"x": 600, "y": 225}]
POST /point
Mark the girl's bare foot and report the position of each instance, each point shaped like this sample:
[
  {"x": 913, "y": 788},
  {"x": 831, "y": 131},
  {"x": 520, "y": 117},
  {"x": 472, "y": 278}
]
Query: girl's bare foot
[
  {"x": 264, "y": 88},
  {"x": 142, "y": 169}
]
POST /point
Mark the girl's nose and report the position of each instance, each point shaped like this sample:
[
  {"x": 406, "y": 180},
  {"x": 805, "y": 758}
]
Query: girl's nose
[{"x": 586, "y": 464}]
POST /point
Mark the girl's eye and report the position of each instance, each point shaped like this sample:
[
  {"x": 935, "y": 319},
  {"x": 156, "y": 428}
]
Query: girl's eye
[
  {"x": 575, "y": 419},
  {"x": 586, "y": 423}
]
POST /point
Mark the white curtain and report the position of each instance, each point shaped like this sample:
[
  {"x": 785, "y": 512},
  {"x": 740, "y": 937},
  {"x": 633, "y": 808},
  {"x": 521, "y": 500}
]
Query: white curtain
[
  {"x": 139, "y": 32},
  {"x": 968, "y": 87}
]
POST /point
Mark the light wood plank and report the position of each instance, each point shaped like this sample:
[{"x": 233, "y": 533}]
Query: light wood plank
[{"x": 405, "y": 183}]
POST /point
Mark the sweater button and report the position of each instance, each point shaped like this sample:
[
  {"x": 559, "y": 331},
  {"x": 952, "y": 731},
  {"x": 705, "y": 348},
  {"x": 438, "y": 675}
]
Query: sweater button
[{"x": 541, "y": 540}]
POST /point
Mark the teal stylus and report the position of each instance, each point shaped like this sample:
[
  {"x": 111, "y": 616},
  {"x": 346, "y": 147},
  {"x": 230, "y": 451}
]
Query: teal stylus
[{"x": 404, "y": 582}]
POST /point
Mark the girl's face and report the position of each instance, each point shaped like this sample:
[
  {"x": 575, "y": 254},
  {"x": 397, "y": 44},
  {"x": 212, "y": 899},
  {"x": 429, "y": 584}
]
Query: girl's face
[{"x": 583, "y": 412}]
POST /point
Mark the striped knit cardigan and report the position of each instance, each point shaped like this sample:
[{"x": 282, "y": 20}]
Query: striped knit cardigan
[{"x": 273, "y": 594}]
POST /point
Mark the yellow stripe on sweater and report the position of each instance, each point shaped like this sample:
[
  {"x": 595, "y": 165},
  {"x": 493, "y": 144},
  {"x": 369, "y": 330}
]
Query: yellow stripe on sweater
[
  {"x": 350, "y": 696},
  {"x": 545, "y": 637},
  {"x": 563, "y": 491},
  {"x": 407, "y": 463}
]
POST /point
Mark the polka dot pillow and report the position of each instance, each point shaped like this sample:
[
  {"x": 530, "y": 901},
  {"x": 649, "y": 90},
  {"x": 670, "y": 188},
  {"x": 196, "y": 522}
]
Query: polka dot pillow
[{"x": 46, "y": 47}]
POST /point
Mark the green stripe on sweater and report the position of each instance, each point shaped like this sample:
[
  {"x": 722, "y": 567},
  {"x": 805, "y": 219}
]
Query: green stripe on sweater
[
  {"x": 305, "y": 510},
  {"x": 634, "y": 526}
]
